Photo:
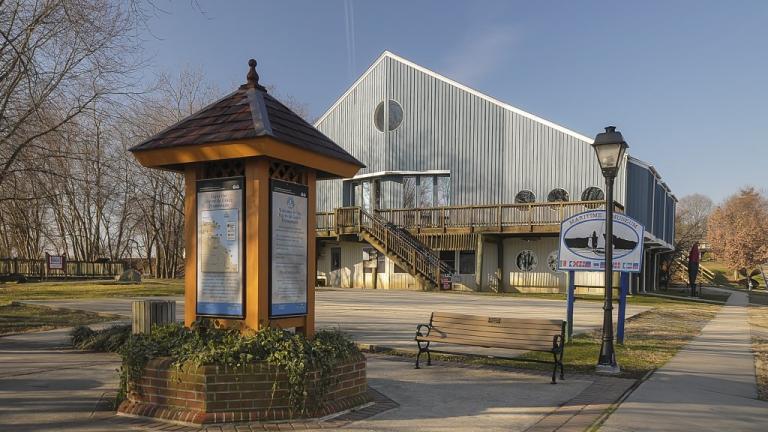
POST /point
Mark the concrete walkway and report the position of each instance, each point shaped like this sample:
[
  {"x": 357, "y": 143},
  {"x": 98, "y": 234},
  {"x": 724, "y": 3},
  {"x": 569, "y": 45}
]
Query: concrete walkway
[
  {"x": 45, "y": 386},
  {"x": 708, "y": 386}
]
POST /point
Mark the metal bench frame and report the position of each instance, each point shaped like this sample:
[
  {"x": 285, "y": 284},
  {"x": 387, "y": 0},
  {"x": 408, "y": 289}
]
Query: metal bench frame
[{"x": 558, "y": 348}]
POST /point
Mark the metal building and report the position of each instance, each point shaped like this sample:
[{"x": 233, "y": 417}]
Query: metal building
[{"x": 460, "y": 183}]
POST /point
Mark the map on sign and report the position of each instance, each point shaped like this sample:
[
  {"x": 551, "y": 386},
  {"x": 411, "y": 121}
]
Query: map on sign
[
  {"x": 219, "y": 245},
  {"x": 220, "y": 252}
]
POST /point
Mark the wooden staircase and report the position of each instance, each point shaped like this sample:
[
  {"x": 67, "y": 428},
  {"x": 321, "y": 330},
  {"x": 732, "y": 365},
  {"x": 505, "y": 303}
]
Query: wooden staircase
[{"x": 395, "y": 242}]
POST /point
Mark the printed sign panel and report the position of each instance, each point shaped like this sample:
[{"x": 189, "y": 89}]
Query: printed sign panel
[
  {"x": 220, "y": 247},
  {"x": 55, "y": 262},
  {"x": 288, "y": 250},
  {"x": 582, "y": 243}
]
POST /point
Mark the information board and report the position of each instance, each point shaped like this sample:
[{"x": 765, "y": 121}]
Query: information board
[
  {"x": 220, "y": 247},
  {"x": 288, "y": 249},
  {"x": 582, "y": 243},
  {"x": 56, "y": 262}
]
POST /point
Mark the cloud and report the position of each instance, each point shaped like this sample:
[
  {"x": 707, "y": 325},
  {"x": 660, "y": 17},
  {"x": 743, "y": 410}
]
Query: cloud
[
  {"x": 349, "y": 28},
  {"x": 480, "y": 53}
]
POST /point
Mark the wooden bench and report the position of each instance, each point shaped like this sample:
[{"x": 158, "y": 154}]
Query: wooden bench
[{"x": 493, "y": 332}]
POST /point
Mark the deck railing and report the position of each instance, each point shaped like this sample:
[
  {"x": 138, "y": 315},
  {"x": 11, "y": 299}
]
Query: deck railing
[{"x": 487, "y": 218}]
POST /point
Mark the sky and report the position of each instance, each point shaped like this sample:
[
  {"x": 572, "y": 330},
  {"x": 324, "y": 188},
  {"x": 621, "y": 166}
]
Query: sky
[{"x": 686, "y": 82}]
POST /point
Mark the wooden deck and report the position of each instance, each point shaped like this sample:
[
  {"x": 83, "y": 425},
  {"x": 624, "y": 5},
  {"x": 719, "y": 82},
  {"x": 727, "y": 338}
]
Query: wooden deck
[{"x": 534, "y": 218}]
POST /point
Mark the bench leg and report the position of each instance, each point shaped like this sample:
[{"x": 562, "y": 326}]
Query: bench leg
[
  {"x": 554, "y": 371},
  {"x": 429, "y": 356},
  {"x": 562, "y": 367},
  {"x": 423, "y": 349}
]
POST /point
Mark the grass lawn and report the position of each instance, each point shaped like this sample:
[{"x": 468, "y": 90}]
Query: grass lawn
[
  {"x": 724, "y": 275},
  {"x": 17, "y": 318},
  {"x": 758, "y": 320},
  {"x": 651, "y": 339},
  {"x": 89, "y": 289}
]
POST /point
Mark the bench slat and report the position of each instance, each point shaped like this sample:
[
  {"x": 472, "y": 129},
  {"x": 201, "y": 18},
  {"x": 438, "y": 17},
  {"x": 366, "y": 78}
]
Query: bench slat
[
  {"x": 489, "y": 344},
  {"x": 546, "y": 340},
  {"x": 515, "y": 334},
  {"x": 503, "y": 320},
  {"x": 486, "y": 324}
]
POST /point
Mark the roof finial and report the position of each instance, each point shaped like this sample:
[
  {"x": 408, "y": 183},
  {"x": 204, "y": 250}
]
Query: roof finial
[{"x": 253, "y": 77}]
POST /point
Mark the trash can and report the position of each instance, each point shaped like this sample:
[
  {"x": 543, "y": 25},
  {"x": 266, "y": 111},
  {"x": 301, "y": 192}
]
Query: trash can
[{"x": 147, "y": 313}]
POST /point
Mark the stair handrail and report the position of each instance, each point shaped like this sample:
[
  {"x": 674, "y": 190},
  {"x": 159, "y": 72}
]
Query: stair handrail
[{"x": 422, "y": 259}]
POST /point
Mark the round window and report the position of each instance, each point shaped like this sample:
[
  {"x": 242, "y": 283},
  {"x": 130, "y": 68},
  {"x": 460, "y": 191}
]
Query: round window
[
  {"x": 526, "y": 261},
  {"x": 525, "y": 197},
  {"x": 557, "y": 195},
  {"x": 552, "y": 261},
  {"x": 593, "y": 194},
  {"x": 395, "y": 115}
]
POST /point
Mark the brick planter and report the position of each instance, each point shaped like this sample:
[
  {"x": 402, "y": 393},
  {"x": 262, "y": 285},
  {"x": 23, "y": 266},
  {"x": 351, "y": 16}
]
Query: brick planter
[{"x": 215, "y": 394}]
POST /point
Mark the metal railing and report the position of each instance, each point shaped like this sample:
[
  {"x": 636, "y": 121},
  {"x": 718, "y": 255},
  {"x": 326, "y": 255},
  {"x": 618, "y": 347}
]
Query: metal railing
[
  {"x": 488, "y": 217},
  {"x": 37, "y": 268}
]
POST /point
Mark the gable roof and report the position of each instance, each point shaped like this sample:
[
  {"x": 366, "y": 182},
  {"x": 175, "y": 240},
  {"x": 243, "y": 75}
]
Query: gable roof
[
  {"x": 246, "y": 113},
  {"x": 387, "y": 54}
]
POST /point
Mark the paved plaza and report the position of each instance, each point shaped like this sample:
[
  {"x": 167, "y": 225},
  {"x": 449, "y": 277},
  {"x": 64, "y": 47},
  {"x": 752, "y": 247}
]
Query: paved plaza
[
  {"x": 389, "y": 318},
  {"x": 708, "y": 385}
]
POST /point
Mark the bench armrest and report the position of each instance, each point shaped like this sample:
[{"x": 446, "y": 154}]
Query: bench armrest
[
  {"x": 420, "y": 326},
  {"x": 557, "y": 343}
]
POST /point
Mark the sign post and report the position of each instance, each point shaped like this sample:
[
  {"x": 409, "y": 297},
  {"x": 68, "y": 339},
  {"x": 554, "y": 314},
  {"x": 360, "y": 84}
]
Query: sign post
[
  {"x": 571, "y": 301},
  {"x": 623, "y": 288},
  {"x": 582, "y": 248}
]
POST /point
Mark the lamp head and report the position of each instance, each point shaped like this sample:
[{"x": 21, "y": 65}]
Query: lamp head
[{"x": 610, "y": 147}]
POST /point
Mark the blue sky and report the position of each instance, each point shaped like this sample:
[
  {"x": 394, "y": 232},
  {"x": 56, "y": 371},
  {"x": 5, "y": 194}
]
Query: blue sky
[{"x": 685, "y": 81}]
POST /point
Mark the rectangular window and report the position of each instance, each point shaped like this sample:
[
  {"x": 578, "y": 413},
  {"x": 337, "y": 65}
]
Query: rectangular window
[
  {"x": 335, "y": 258},
  {"x": 449, "y": 257},
  {"x": 443, "y": 191},
  {"x": 426, "y": 192},
  {"x": 467, "y": 262},
  {"x": 357, "y": 193},
  {"x": 409, "y": 192},
  {"x": 366, "y": 196}
]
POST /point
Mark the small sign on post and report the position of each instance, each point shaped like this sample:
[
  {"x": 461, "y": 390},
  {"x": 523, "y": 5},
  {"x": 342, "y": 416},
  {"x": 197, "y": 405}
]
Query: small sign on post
[
  {"x": 582, "y": 248},
  {"x": 582, "y": 243}
]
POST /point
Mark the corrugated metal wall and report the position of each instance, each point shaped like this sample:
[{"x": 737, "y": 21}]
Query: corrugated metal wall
[
  {"x": 649, "y": 202},
  {"x": 491, "y": 152}
]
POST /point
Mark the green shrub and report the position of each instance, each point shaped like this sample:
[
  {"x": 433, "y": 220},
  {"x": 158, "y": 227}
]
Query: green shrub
[
  {"x": 107, "y": 340},
  {"x": 205, "y": 345}
]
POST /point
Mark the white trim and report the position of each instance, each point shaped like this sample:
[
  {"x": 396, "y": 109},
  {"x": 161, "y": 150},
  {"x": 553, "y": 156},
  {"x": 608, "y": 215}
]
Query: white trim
[
  {"x": 401, "y": 173},
  {"x": 474, "y": 92}
]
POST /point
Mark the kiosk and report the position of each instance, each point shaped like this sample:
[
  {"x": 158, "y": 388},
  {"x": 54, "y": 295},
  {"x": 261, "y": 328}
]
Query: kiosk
[{"x": 250, "y": 166}]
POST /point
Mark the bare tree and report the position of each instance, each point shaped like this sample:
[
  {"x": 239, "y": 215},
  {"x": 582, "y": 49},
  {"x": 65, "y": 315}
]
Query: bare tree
[{"x": 57, "y": 57}]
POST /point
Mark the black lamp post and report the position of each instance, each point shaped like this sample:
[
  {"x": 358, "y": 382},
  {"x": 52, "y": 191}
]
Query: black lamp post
[{"x": 609, "y": 147}]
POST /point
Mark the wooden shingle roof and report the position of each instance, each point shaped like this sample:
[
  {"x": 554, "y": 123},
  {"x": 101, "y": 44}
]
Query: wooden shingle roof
[{"x": 247, "y": 113}]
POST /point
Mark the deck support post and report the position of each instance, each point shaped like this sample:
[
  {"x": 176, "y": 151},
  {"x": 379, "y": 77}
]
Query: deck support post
[{"x": 479, "y": 259}]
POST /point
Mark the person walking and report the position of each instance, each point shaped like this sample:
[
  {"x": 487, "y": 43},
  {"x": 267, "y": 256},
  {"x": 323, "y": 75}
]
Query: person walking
[{"x": 693, "y": 267}]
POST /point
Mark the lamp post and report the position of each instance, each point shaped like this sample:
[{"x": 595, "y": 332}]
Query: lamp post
[{"x": 609, "y": 147}]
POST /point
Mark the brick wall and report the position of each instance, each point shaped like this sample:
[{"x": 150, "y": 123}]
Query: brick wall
[{"x": 216, "y": 394}]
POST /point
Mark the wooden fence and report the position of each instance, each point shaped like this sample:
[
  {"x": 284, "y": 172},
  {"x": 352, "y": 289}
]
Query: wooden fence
[{"x": 11, "y": 268}]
